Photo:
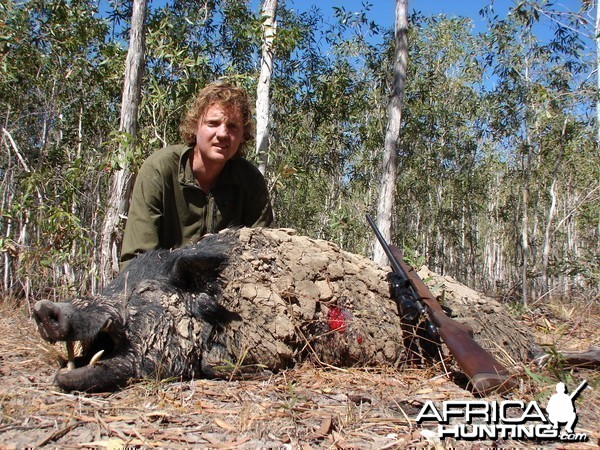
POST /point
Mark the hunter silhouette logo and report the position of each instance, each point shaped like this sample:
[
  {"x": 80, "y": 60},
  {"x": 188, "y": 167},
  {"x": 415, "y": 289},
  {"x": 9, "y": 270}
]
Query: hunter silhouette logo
[
  {"x": 561, "y": 407},
  {"x": 510, "y": 419}
]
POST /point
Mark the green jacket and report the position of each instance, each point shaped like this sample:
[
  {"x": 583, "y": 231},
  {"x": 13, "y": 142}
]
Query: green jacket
[{"x": 168, "y": 209}]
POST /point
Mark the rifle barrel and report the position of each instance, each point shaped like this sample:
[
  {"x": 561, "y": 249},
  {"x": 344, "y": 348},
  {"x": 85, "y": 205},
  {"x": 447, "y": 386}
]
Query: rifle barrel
[
  {"x": 577, "y": 391},
  {"x": 386, "y": 248}
]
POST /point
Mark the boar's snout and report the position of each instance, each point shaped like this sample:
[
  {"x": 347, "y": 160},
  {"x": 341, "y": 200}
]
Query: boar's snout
[{"x": 51, "y": 320}]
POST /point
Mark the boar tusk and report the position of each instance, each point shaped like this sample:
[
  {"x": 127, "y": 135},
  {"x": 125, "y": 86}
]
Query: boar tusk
[
  {"x": 96, "y": 358},
  {"x": 70, "y": 355}
]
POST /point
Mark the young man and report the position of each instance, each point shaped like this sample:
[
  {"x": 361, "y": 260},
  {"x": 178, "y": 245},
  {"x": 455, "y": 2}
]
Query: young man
[{"x": 184, "y": 191}]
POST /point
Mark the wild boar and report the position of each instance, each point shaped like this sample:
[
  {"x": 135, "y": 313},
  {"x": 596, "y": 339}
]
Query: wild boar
[
  {"x": 240, "y": 301},
  {"x": 227, "y": 304}
]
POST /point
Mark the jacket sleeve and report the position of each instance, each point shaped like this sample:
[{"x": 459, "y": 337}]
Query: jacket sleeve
[{"x": 144, "y": 217}]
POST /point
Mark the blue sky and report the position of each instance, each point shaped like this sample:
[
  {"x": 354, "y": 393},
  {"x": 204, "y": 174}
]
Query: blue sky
[{"x": 382, "y": 11}]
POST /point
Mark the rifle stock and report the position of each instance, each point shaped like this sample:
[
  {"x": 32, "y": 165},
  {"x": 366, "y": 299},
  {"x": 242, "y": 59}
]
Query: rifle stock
[{"x": 485, "y": 373}]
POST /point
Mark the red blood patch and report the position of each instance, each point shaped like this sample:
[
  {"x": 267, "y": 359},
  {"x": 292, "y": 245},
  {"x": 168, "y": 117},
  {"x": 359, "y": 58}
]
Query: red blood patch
[{"x": 336, "y": 319}]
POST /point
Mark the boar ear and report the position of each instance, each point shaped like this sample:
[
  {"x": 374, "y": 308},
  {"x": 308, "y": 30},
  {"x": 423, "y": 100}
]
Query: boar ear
[{"x": 196, "y": 269}]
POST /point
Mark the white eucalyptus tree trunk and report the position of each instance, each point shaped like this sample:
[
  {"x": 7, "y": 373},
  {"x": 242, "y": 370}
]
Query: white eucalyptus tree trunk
[
  {"x": 386, "y": 203},
  {"x": 122, "y": 180},
  {"x": 269, "y": 25}
]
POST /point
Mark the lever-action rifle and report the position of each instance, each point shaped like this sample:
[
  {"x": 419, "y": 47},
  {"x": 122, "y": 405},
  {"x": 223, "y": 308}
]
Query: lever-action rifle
[{"x": 415, "y": 302}]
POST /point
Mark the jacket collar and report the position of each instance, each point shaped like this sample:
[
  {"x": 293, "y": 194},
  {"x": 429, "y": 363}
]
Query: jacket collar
[{"x": 186, "y": 176}]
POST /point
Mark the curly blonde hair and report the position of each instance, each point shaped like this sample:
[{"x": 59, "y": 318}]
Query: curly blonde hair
[{"x": 226, "y": 95}]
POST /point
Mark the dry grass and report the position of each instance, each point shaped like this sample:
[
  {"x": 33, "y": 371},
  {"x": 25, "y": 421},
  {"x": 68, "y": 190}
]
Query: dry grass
[{"x": 306, "y": 407}]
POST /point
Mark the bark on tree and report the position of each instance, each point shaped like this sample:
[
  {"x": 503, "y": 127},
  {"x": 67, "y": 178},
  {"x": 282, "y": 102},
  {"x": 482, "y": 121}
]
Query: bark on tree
[
  {"x": 385, "y": 206},
  {"x": 525, "y": 228},
  {"x": 530, "y": 133},
  {"x": 598, "y": 70},
  {"x": 269, "y": 25},
  {"x": 551, "y": 214},
  {"x": 122, "y": 180}
]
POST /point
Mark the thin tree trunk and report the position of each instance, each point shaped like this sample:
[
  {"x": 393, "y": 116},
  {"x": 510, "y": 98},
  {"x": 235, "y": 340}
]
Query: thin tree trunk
[
  {"x": 386, "y": 203},
  {"x": 598, "y": 71},
  {"x": 525, "y": 228},
  {"x": 525, "y": 249},
  {"x": 10, "y": 251},
  {"x": 551, "y": 214},
  {"x": 122, "y": 181},
  {"x": 268, "y": 13}
]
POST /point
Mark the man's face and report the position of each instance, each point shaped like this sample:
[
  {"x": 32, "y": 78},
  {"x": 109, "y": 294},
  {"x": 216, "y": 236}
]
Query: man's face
[{"x": 219, "y": 134}]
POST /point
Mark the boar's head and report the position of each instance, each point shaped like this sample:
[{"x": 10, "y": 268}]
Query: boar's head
[{"x": 152, "y": 320}]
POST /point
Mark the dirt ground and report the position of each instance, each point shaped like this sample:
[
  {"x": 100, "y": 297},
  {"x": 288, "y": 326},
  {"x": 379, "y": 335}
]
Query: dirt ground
[{"x": 306, "y": 407}]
